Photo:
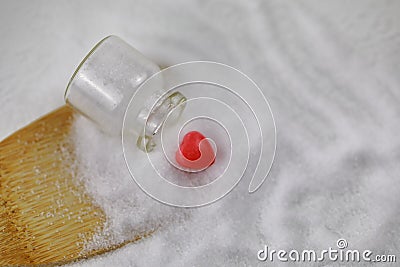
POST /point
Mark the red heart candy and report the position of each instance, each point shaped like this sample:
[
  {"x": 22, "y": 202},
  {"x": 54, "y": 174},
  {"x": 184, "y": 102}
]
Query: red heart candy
[{"x": 195, "y": 152}]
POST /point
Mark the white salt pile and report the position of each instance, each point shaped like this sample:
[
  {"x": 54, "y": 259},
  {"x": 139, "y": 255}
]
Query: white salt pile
[{"x": 103, "y": 172}]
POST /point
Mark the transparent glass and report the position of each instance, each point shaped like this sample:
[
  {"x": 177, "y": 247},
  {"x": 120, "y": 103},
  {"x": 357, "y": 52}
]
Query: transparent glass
[{"x": 104, "y": 83}]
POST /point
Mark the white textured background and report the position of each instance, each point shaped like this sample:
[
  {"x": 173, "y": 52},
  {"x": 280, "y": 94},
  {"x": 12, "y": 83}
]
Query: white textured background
[{"x": 330, "y": 70}]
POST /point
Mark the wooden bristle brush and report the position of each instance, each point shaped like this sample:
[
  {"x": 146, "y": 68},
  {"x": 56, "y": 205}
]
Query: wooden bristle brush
[{"x": 45, "y": 215}]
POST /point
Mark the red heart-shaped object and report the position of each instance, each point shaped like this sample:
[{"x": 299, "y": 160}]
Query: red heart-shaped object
[{"x": 195, "y": 152}]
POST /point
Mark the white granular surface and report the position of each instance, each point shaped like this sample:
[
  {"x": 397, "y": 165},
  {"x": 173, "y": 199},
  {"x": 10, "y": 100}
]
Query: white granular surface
[
  {"x": 330, "y": 71},
  {"x": 103, "y": 172}
]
